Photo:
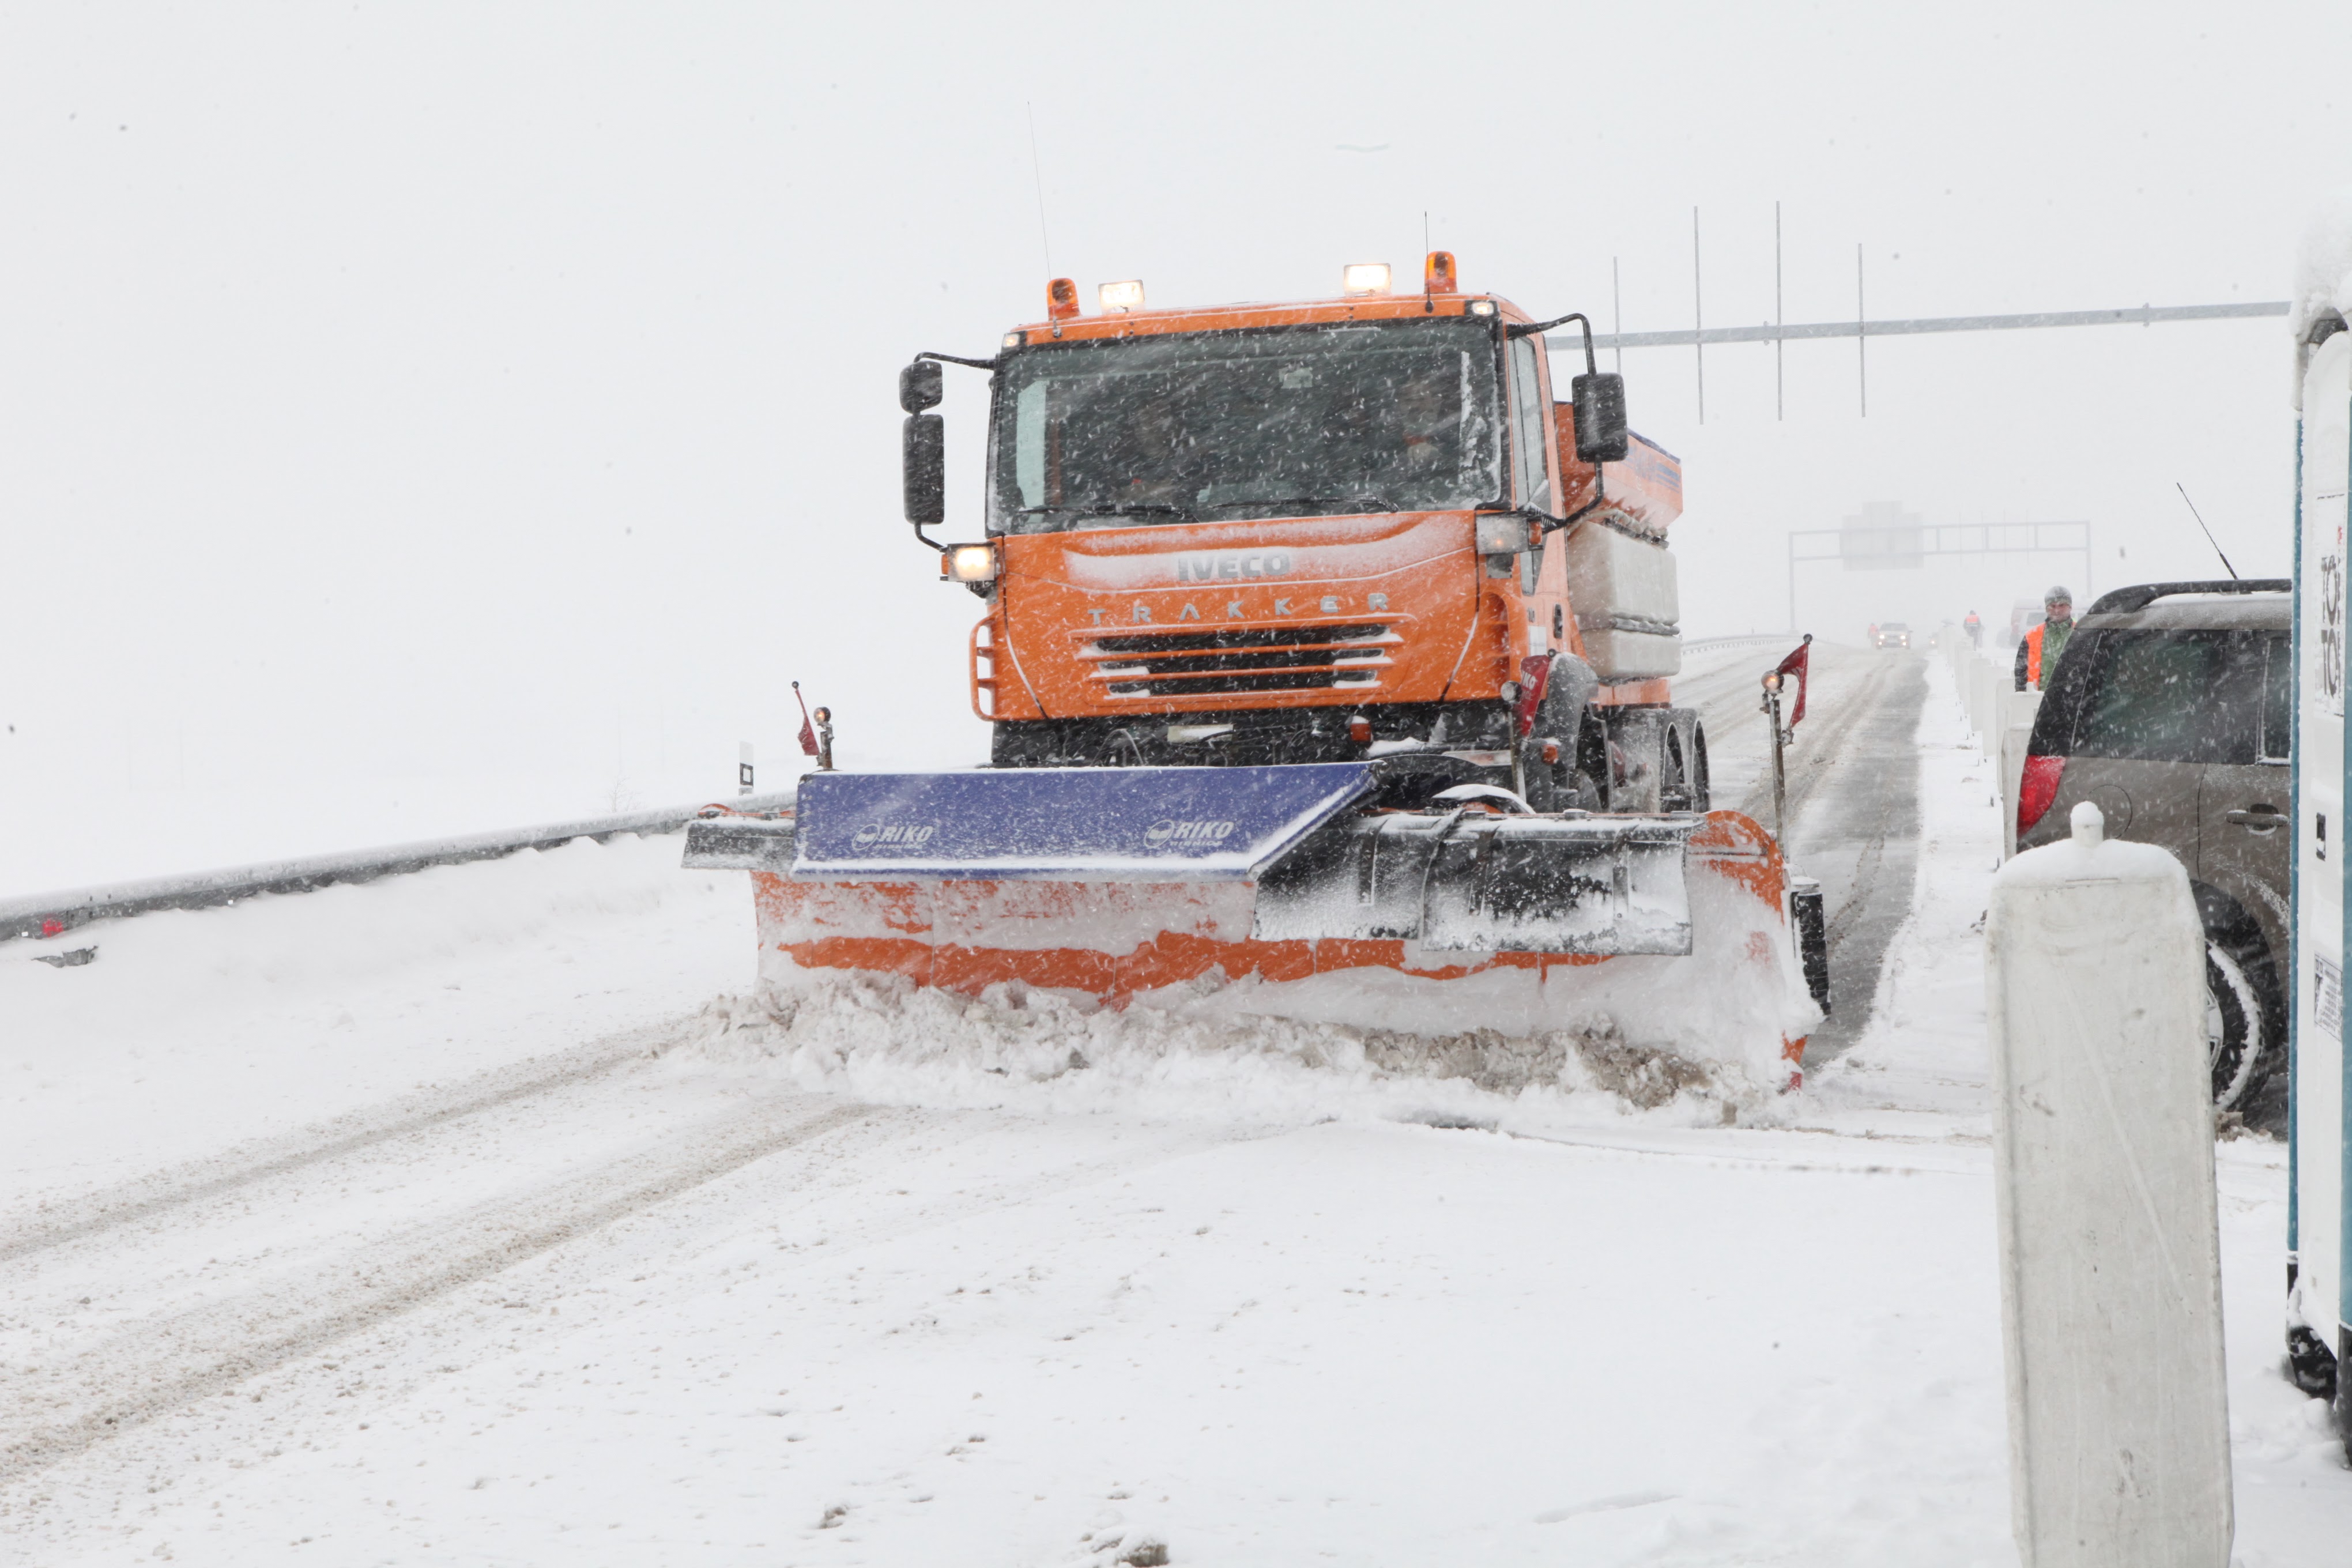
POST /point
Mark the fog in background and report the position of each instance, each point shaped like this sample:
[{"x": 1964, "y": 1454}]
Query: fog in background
[{"x": 427, "y": 419}]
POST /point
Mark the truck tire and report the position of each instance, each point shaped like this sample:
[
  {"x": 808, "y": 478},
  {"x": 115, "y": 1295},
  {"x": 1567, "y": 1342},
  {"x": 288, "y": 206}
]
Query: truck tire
[
  {"x": 2239, "y": 1030},
  {"x": 1684, "y": 787}
]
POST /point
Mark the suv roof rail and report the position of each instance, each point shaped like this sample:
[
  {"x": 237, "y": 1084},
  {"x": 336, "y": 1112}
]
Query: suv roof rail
[{"x": 2124, "y": 601}]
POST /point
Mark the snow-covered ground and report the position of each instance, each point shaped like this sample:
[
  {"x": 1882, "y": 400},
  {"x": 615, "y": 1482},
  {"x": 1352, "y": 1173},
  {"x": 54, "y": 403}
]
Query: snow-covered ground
[{"x": 454, "y": 1219}]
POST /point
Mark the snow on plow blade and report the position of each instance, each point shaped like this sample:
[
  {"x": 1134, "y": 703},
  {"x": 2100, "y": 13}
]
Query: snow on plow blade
[
  {"x": 1674, "y": 928},
  {"x": 739, "y": 844},
  {"x": 1595, "y": 885}
]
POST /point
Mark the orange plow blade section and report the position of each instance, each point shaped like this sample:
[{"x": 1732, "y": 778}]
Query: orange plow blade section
[{"x": 1739, "y": 997}]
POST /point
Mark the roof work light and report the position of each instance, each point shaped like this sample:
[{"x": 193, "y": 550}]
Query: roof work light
[
  {"x": 1365, "y": 277},
  {"x": 1124, "y": 296}
]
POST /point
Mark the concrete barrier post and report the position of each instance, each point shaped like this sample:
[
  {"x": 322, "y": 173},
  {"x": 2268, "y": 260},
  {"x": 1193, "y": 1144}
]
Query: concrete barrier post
[
  {"x": 2110, "y": 1253},
  {"x": 2012, "y": 732}
]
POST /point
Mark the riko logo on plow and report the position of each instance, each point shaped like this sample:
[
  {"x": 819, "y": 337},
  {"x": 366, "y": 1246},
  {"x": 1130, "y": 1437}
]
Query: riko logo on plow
[
  {"x": 878, "y": 836},
  {"x": 1168, "y": 830}
]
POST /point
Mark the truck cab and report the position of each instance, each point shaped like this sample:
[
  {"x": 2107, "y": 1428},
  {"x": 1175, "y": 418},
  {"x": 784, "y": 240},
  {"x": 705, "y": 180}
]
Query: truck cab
[{"x": 1318, "y": 533}]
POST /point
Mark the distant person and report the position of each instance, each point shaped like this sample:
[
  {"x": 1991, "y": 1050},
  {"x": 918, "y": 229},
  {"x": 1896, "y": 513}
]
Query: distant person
[
  {"x": 2038, "y": 650},
  {"x": 1975, "y": 629}
]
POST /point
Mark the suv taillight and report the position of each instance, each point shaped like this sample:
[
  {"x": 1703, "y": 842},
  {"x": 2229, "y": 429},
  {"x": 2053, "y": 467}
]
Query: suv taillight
[{"x": 2036, "y": 790}]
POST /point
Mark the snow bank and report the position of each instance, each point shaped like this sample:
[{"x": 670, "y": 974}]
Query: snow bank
[{"x": 197, "y": 1028}]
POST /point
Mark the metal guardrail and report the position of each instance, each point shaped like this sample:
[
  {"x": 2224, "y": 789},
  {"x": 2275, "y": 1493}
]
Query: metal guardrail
[
  {"x": 1745, "y": 638},
  {"x": 51, "y": 914}
]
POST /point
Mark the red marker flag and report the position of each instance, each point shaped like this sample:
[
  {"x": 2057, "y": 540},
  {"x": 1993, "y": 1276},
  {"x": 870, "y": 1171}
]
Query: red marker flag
[
  {"x": 1798, "y": 664},
  {"x": 808, "y": 730}
]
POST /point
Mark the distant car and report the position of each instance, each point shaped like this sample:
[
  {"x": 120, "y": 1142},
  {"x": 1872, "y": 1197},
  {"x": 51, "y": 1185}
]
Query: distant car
[
  {"x": 1891, "y": 634},
  {"x": 2172, "y": 709}
]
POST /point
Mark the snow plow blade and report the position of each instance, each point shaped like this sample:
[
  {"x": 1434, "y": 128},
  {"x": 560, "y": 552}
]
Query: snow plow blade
[{"x": 1279, "y": 891}]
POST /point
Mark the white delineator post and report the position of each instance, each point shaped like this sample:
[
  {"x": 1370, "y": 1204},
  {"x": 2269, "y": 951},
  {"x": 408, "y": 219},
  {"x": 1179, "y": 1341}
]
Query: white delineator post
[
  {"x": 2103, "y": 1167},
  {"x": 2013, "y": 732}
]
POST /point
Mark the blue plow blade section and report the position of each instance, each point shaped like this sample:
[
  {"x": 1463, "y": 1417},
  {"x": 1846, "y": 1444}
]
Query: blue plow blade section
[{"x": 1087, "y": 824}]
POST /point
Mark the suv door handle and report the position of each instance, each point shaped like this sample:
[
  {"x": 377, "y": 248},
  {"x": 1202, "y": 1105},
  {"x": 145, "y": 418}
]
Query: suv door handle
[{"x": 2261, "y": 818}]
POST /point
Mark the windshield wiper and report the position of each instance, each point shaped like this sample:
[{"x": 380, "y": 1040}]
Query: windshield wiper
[
  {"x": 1116, "y": 509},
  {"x": 1366, "y": 502}
]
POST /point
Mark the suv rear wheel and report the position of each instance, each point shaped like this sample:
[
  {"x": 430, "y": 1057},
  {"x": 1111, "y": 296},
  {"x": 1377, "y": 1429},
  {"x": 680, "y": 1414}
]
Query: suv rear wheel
[{"x": 2238, "y": 1029}]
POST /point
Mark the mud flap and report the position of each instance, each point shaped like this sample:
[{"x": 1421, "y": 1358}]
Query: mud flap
[{"x": 1805, "y": 918}]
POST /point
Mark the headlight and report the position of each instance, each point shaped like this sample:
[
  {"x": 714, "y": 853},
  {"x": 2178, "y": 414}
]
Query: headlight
[{"x": 969, "y": 563}]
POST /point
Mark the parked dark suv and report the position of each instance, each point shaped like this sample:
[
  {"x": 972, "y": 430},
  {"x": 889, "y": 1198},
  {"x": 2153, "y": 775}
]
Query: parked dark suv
[{"x": 2172, "y": 709}]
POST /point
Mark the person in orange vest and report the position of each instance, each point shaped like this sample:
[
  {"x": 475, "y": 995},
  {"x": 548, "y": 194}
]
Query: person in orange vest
[
  {"x": 2038, "y": 650},
  {"x": 1975, "y": 629}
]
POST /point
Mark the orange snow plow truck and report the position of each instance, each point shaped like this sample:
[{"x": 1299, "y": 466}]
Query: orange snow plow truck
[{"x": 1326, "y": 657}]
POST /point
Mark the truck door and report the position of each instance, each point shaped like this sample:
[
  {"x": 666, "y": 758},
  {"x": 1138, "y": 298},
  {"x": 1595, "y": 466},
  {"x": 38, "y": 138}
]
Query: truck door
[
  {"x": 2245, "y": 836},
  {"x": 1530, "y": 472}
]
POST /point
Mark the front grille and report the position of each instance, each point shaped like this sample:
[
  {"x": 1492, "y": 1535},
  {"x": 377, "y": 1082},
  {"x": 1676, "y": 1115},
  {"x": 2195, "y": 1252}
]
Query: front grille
[
  {"x": 1347, "y": 655},
  {"x": 1199, "y": 685},
  {"x": 1248, "y": 637}
]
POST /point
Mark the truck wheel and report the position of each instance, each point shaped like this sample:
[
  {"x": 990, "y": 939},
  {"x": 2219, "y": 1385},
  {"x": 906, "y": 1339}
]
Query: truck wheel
[
  {"x": 2310, "y": 1365},
  {"x": 2236, "y": 1031},
  {"x": 1684, "y": 788}
]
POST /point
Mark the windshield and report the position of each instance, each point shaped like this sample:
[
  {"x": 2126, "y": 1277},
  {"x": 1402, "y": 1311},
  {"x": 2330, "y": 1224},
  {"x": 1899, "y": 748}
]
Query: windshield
[{"x": 1271, "y": 421}]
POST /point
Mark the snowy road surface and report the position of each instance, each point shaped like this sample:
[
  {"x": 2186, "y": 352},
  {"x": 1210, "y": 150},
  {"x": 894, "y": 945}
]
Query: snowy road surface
[
  {"x": 427, "y": 1221},
  {"x": 1853, "y": 794}
]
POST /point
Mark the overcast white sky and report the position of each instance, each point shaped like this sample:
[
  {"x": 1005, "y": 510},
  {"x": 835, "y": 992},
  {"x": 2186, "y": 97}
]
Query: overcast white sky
[{"x": 426, "y": 418}]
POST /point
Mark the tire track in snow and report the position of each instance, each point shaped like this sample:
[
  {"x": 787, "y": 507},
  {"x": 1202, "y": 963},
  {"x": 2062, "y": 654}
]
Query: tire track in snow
[
  {"x": 153, "y": 1196},
  {"x": 165, "y": 1364},
  {"x": 149, "y": 1375},
  {"x": 1852, "y": 812}
]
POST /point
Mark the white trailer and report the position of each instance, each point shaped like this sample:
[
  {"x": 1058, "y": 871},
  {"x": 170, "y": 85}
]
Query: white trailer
[{"x": 2319, "y": 1250}]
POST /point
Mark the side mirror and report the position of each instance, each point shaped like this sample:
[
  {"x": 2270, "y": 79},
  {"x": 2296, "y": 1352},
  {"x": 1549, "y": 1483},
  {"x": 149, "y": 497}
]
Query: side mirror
[
  {"x": 1600, "y": 433},
  {"x": 920, "y": 386},
  {"x": 926, "y": 464}
]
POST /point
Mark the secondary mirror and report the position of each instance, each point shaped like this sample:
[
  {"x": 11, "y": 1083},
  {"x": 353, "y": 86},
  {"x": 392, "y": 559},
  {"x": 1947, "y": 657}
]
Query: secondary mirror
[
  {"x": 920, "y": 386},
  {"x": 1600, "y": 431},
  {"x": 926, "y": 465}
]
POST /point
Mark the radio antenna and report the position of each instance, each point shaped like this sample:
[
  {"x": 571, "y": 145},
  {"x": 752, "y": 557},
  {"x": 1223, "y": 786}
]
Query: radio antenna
[
  {"x": 1037, "y": 172},
  {"x": 2216, "y": 543}
]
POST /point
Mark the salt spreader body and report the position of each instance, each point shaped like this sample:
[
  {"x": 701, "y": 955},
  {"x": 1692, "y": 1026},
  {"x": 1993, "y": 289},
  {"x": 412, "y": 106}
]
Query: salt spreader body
[{"x": 1325, "y": 654}]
